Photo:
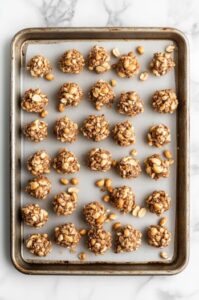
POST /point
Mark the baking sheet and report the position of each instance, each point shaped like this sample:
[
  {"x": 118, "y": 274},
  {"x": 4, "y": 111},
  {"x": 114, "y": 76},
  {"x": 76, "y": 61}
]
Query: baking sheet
[{"x": 142, "y": 186}]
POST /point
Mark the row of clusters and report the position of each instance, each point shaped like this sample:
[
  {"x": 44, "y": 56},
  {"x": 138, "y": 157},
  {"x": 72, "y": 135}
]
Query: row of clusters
[
  {"x": 71, "y": 94},
  {"x": 98, "y": 60}
]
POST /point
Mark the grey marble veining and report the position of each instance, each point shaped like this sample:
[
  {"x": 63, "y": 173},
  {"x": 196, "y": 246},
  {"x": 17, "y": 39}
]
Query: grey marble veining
[{"x": 15, "y": 15}]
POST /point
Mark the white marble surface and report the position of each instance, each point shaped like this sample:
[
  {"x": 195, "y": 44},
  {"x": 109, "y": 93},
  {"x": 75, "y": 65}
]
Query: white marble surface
[{"x": 17, "y": 14}]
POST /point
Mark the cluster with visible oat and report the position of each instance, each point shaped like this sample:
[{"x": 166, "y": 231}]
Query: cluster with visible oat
[
  {"x": 123, "y": 198},
  {"x": 34, "y": 100},
  {"x": 158, "y": 202},
  {"x": 98, "y": 60},
  {"x": 39, "y": 244},
  {"x": 156, "y": 167},
  {"x": 158, "y": 236},
  {"x": 128, "y": 239},
  {"x": 33, "y": 215},
  {"x": 159, "y": 135},
  {"x": 102, "y": 94},
  {"x": 99, "y": 240},
  {"x": 36, "y": 131},
  {"x": 72, "y": 62},
  {"x": 64, "y": 204},
  {"x": 96, "y": 128},
  {"x": 66, "y": 130},
  {"x": 95, "y": 214},
  {"x": 70, "y": 94},
  {"x": 165, "y": 101},
  {"x": 39, "y": 163},
  {"x": 67, "y": 235},
  {"x": 127, "y": 65},
  {"x": 129, "y": 167},
  {"x": 66, "y": 162},
  {"x": 99, "y": 160},
  {"x": 39, "y": 66},
  {"x": 161, "y": 63},
  {"x": 130, "y": 104},
  {"x": 123, "y": 133},
  {"x": 39, "y": 187}
]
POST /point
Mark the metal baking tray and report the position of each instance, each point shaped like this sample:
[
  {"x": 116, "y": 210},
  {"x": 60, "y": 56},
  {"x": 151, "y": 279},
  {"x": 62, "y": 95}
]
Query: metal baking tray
[{"x": 52, "y": 42}]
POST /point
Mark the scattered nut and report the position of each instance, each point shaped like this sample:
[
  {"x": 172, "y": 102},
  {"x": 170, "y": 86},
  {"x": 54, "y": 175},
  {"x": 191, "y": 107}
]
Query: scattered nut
[
  {"x": 106, "y": 198},
  {"x": 49, "y": 76},
  {"x": 133, "y": 152},
  {"x": 64, "y": 181},
  {"x": 108, "y": 182},
  {"x": 82, "y": 256},
  {"x": 116, "y": 226},
  {"x": 100, "y": 183},
  {"x": 135, "y": 210},
  {"x": 83, "y": 232},
  {"x": 163, "y": 255},
  {"x": 111, "y": 216},
  {"x": 72, "y": 190},
  {"x": 170, "y": 48},
  {"x": 144, "y": 76},
  {"x": 163, "y": 221},
  {"x": 141, "y": 212},
  {"x": 115, "y": 52},
  {"x": 113, "y": 82},
  {"x": 140, "y": 50},
  {"x": 168, "y": 154},
  {"x": 74, "y": 181},
  {"x": 114, "y": 163},
  {"x": 43, "y": 114}
]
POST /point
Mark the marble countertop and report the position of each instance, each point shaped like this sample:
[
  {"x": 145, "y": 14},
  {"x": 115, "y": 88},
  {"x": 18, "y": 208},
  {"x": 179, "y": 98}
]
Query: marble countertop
[{"x": 15, "y": 15}]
